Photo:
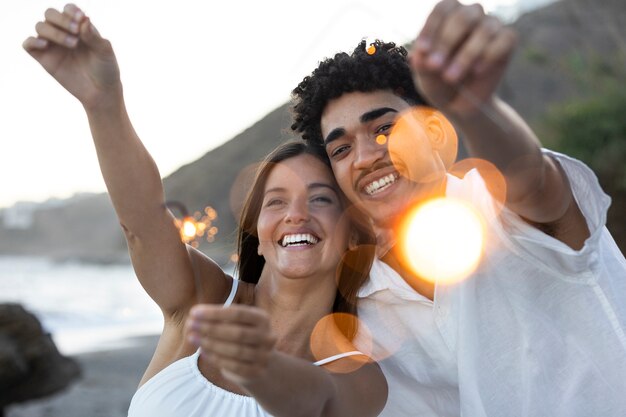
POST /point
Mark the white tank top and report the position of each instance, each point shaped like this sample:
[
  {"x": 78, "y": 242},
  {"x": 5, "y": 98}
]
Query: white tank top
[{"x": 181, "y": 390}]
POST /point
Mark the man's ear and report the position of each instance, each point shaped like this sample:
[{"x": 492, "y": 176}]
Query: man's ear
[{"x": 441, "y": 135}]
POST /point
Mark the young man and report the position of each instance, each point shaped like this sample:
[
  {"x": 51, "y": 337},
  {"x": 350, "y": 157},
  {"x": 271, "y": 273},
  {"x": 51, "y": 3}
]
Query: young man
[{"x": 539, "y": 328}]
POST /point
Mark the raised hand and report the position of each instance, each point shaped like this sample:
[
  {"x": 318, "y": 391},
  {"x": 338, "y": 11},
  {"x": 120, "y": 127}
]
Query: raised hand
[
  {"x": 460, "y": 56},
  {"x": 237, "y": 339},
  {"x": 70, "y": 48}
]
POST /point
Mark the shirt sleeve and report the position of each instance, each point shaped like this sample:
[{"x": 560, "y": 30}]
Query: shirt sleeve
[{"x": 552, "y": 253}]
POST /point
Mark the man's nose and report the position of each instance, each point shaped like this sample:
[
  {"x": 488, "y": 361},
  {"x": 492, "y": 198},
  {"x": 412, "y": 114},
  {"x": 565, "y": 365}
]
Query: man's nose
[{"x": 368, "y": 152}]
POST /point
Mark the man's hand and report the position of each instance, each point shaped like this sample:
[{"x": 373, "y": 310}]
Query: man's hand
[
  {"x": 70, "y": 48},
  {"x": 237, "y": 339},
  {"x": 460, "y": 56}
]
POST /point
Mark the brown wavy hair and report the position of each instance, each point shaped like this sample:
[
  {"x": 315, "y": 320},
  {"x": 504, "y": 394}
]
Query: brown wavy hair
[{"x": 354, "y": 267}]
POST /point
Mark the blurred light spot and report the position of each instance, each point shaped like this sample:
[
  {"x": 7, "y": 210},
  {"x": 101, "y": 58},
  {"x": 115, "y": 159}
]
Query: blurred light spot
[
  {"x": 189, "y": 228},
  {"x": 194, "y": 227},
  {"x": 327, "y": 340},
  {"x": 493, "y": 178},
  {"x": 443, "y": 240},
  {"x": 381, "y": 139},
  {"x": 371, "y": 50},
  {"x": 417, "y": 134}
]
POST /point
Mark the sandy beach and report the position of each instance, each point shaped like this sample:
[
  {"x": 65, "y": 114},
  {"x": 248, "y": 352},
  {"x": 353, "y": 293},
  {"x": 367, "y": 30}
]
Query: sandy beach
[{"x": 109, "y": 380}]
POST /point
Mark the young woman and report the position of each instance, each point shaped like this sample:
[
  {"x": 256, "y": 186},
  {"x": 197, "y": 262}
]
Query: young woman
[{"x": 258, "y": 337}]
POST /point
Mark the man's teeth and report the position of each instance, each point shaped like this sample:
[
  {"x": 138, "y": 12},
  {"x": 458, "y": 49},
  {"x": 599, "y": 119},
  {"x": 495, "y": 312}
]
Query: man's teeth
[
  {"x": 381, "y": 184},
  {"x": 300, "y": 239}
]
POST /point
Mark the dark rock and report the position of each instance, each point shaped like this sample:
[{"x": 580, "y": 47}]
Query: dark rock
[{"x": 30, "y": 365}]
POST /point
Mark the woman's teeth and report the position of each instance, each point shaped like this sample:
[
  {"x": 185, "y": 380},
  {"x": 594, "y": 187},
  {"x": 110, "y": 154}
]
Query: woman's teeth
[{"x": 299, "y": 239}]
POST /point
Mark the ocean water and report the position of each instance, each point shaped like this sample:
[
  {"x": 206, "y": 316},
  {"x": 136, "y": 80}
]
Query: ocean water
[{"x": 85, "y": 307}]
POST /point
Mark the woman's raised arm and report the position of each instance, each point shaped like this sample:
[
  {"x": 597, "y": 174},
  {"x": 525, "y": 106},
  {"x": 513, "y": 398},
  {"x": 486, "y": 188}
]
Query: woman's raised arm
[{"x": 70, "y": 48}]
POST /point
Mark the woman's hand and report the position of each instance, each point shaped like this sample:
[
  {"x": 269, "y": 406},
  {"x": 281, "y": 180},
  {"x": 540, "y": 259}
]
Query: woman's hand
[
  {"x": 70, "y": 48},
  {"x": 236, "y": 339}
]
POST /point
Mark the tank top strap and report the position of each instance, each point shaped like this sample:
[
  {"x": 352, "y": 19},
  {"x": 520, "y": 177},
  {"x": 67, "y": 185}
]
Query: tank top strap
[
  {"x": 337, "y": 357},
  {"x": 233, "y": 292}
]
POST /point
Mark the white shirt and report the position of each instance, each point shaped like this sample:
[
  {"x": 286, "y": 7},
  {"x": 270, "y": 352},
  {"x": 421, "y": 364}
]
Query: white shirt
[
  {"x": 537, "y": 330},
  {"x": 180, "y": 389}
]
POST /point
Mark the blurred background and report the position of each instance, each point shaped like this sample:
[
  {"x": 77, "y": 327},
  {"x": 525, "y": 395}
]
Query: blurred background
[{"x": 207, "y": 85}]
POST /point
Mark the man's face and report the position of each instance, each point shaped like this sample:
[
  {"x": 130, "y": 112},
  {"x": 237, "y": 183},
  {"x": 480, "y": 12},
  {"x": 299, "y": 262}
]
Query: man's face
[{"x": 355, "y": 129}]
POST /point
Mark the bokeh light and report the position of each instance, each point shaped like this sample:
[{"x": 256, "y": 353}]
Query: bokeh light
[
  {"x": 189, "y": 229},
  {"x": 416, "y": 134},
  {"x": 493, "y": 178},
  {"x": 443, "y": 240},
  {"x": 327, "y": 340},
  {"x": 381, "y": 139},
  {"x": 193, "y": 227}
]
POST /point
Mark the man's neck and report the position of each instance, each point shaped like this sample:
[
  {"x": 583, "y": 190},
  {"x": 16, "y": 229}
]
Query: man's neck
[
  {"x": 420, "y": 285},
  {"x": 390, "y": 252}
]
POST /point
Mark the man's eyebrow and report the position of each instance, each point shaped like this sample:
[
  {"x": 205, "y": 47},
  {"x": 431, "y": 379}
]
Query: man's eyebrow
[
  {"x": 334, "y": 135},
  {"x": 375, "y": 114},
  {"x": 365, "y": 117}
]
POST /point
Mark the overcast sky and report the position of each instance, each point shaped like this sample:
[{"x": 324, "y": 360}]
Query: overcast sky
[{"x": 195, "y": 74}]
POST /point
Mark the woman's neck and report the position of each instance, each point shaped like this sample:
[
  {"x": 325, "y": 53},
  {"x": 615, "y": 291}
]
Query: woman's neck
[{"x": 295, "y": 307}]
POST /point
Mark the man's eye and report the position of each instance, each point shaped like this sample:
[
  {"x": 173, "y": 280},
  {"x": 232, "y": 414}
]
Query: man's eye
[
  {"x": 339, "y": 150},
  {"x": 386, "y": 128}
]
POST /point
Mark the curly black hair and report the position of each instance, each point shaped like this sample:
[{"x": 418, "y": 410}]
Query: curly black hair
[{"x": 384, "y": 69}]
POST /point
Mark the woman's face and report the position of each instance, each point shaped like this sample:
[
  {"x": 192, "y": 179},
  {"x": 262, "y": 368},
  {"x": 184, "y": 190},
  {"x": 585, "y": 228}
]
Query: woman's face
[{"x": 302, "y": 230}]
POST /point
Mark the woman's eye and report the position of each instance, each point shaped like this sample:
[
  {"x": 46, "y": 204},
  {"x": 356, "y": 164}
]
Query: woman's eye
[
  {"x": 322, "y": 199},
  {"x": 273, "y": 202}
]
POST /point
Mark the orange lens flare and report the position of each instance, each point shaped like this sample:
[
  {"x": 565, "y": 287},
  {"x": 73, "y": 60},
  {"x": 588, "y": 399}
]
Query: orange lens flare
[
  {"x": 493, "y": 178},
  {"x": 418, "y": 134},
  {"x": 328, "y": 340},
  {"x": 443, "y": 240},
  {"x": 371, "y": 50},
  {"x": 381, "y": 139}
]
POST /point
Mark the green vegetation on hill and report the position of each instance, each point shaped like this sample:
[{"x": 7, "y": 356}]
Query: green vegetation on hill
[{"x": 594, "y": 131}]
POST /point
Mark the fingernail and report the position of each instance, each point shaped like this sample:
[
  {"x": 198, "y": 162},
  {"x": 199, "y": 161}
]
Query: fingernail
[
  {"x": 453, "y": 72},
  {"x": 78, "y": 15},
  {"x": 436, "y": 60},
  {"x": 74, "y": 27},
  {"x": 423, "y": 44},
  {"x": 71, "y": 41},
  {"x": 40, "y": 43}
]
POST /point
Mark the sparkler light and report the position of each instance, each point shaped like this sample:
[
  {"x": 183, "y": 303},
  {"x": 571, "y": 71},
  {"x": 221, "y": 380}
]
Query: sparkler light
[
  {"x": 443, "y": 240},
  {"x": 193, "y": 227}
]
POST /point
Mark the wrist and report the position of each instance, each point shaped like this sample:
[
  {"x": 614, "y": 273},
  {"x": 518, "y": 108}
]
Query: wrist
[{"x": 105, "y": 102}]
